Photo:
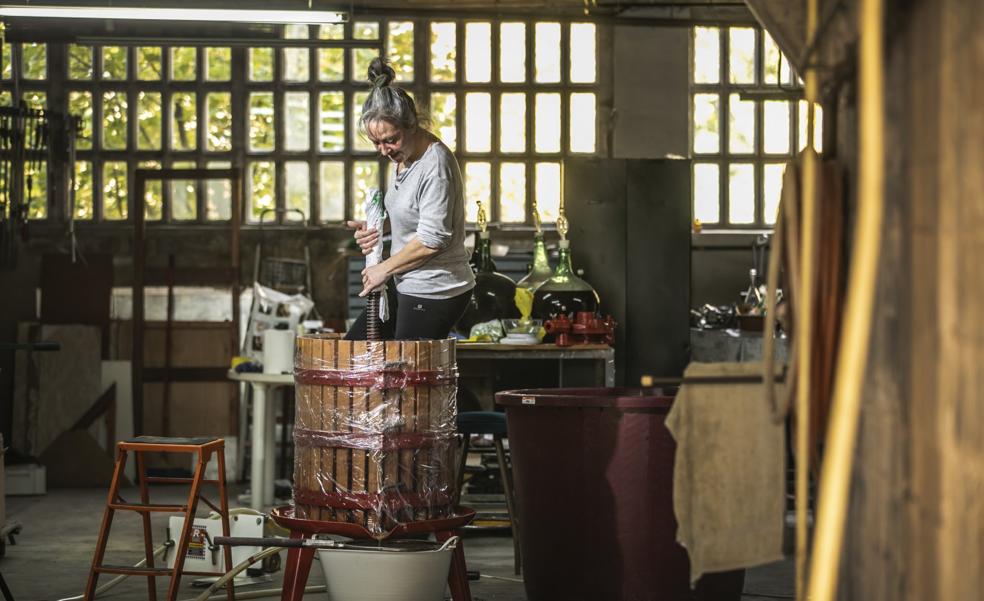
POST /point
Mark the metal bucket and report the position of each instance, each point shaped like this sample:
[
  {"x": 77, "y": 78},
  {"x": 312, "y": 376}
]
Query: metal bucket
[{"x": 401, "y": 570}]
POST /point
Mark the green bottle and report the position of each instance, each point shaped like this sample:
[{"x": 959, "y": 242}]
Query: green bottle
[
  {"x": 564, "y": 293},
  {"x": 494, "y": 295},
  {"x": 540, "y": 271}
]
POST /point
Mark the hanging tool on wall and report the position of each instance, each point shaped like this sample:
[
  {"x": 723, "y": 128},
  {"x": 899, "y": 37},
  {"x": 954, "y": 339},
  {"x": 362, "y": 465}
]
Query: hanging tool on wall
[
  {"x": 73, "y": 124},
  {"x": 35, "y": 158},
  {"x": 24, "y": 154}
]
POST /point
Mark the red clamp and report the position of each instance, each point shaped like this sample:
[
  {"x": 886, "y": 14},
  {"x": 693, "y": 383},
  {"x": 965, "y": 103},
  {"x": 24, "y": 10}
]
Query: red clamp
[{"x": 587, "y": 328}]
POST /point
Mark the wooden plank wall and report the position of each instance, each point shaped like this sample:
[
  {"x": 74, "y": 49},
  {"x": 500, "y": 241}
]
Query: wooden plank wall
[
  {"x": 197, "y": 408},
  {"x": 916, "y": 524},
  {"x": 959, "y": 280}
]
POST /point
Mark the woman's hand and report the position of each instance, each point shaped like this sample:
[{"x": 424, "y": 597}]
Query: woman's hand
[
  {"x": 373, "y": 277},
  {"x": 365, "y": 238}
]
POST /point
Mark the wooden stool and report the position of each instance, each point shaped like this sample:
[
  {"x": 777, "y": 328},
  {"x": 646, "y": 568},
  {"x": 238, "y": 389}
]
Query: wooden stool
[
  {"x": 494, "y": 423},
  {"x": 205, "y": 447}
]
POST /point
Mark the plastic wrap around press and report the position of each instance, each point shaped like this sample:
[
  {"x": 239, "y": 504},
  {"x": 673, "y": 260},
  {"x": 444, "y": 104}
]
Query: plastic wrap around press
[{"x": 374, "y": 430}]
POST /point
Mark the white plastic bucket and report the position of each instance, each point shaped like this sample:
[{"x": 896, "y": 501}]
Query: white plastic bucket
[{"x": 387, "y": 574}]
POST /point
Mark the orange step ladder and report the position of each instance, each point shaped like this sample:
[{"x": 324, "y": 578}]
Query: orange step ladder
[{"x": 205, "y": 448}]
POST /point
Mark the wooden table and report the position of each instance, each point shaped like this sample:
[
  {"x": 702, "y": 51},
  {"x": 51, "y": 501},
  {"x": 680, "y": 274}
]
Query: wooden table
[{"x": 603, "y": 354}]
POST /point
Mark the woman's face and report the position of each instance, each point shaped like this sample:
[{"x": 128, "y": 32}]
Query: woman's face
[{"x": 392, "y": 141}]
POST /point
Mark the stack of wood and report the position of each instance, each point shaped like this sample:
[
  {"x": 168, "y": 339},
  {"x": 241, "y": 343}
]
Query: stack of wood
[{"x": 374, "y": 431}]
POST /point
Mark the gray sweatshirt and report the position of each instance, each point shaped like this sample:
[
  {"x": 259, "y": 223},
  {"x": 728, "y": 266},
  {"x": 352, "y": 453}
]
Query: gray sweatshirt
[{"x": 427, "y": 200}]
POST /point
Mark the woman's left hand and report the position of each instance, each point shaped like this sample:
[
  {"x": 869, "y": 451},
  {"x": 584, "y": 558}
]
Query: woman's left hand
[{"x": 372, "y": 278}]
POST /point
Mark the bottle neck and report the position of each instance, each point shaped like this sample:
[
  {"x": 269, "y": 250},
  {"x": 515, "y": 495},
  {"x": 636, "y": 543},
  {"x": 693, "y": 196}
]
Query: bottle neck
[
  {"x": 564, "y": 268},
  {"x": 485, "y": 255},
  {"x": 540, "y": 261}
]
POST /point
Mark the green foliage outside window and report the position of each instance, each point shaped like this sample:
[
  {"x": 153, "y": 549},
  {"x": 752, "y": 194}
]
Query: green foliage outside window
[
  {"x": 218, "y": 194},
  {"x": 36, "y": 190},
  {"x": 361, "y": 57},
  {"x": 149, "y": 63},
  {"x": 261, "y": 193},
  {"x": 79, "y": 62},
  {"x": 443, "y": 52},
  {"x": 7, "y": 61},
  {"x": 265, "y": 104},
  {"x": 261, "y": 121},
  {"x": 114, "y": 121},
  {"x": 114, "y": 190},
  {"x": 184, "y": 122},
  {"x": 218, "y": 66},
  {"x": 35, "y": 99},
  {"x": 331, "y": 64},
  {"x": 219, "y": 114},
  {"x": 149, "y": 120},
  {"x": 184, "y": 63},
  {"x": 184, "y": 195},
  {"x": 34, "y": 61},
  {"x": 400, "y": 49},
  {"x": 80, "y": 105},
  {"x": 83, "y": 190},
  {"x": 365, "y": 30},
  {"x": 114, "y": 63},
  {"x": 331, "y": 31},
  {"x": 261, "y": 64},
  {"x": 443, "y": 110},
  {"x": 153, "y": 193}
]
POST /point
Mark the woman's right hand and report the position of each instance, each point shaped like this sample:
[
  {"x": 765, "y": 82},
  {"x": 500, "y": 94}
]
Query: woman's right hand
[{"x": 365, "y": 238}]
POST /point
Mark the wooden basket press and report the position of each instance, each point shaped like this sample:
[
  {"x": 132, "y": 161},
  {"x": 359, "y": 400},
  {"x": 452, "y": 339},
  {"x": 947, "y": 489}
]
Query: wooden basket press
[{"x": 374, "y": 430}]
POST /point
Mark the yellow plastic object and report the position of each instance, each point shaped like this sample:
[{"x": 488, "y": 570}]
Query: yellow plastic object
[
  {"x": 237, "y": 361},
  {"x": 524, "y": 302},
  {"x": 855, "y": 340},
  {"x": 805, "y": 298}
]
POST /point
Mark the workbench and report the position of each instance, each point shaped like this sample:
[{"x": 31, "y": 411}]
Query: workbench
[
  {"x": 603, "y": 354},
  {"x": 487, "y": 367}
]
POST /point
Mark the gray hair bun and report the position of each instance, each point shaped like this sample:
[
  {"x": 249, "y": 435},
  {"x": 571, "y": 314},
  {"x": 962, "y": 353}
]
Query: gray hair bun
[
  {"x": 380, "y": 73},
  {"x": 386, "y": 102}
]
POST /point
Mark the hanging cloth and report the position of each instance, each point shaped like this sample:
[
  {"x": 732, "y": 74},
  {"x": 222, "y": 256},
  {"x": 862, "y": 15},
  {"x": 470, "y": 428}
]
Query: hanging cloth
[{"x": 729, "y": 472}]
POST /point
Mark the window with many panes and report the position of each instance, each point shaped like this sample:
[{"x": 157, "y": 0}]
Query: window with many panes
[
  {"x": 512, "y": 98},
  {"x": 748, "y": 121}
]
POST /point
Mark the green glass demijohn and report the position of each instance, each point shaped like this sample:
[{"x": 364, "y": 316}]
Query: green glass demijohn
[
  {"x": 564, "y": 293},
  {"x": 476, "y": 256},
  {"x": 494, "y": 295},
  {"x": 540, "y": 270}
]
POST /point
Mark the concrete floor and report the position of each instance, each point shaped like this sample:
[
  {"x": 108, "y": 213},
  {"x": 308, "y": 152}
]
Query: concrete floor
[{"x": 54, "y": 550}]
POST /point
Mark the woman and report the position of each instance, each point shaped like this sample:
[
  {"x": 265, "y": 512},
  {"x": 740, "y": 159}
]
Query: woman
[{"x": 426, "y": 210}]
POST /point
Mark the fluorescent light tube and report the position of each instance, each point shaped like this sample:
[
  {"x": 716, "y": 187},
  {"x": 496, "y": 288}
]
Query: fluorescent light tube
[{"x": 314, "y": 17}]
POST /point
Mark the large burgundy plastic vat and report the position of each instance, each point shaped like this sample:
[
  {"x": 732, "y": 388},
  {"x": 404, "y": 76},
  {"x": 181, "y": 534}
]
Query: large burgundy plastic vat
[{"x": 593, "y": 470}]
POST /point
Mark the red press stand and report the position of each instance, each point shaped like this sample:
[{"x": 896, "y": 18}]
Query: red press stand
[{"x": 299, "y": 559}]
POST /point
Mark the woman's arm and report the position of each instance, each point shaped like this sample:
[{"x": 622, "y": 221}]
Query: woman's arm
[
  {"x": 434, "y": 232},
  {"x": 411, "y": 256}
]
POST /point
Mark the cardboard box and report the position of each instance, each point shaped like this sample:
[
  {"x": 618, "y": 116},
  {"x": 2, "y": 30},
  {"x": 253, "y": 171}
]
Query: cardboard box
[{"x": 25, "y": 479}]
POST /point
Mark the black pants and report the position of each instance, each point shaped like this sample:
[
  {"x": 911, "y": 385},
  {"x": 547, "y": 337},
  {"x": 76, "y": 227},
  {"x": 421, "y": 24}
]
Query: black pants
[{"x": 415, "y": 318}]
